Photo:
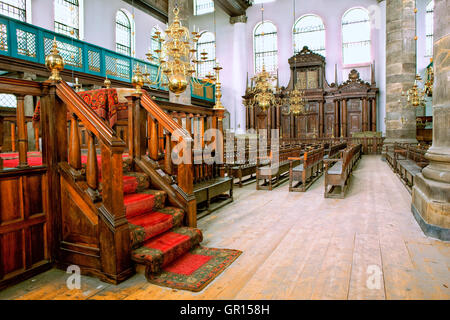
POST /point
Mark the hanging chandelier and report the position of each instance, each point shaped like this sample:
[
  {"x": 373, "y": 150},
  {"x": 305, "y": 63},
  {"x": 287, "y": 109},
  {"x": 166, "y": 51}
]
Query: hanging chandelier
[
  {"x": 176, "y": 59},
  {"x": 264, "y": 96},
  {"x": 297, "y": 101},
  {"x": 415, "y": 95},
  {"x": 430, "y": 81}
]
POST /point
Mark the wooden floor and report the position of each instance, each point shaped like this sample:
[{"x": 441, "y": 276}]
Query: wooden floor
[{"x": 300, "y": 246}]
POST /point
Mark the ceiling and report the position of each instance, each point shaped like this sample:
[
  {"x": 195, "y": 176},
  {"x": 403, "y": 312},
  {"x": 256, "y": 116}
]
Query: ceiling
[{"x": 159, "y": 8}]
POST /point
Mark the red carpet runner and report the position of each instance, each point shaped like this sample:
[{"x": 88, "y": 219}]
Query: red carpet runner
[{"x": 170, "y": 251}]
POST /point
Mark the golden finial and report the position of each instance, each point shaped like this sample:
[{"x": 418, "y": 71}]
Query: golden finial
[
  {"x": 138, "y": 80},
  {"x": 54, "y": 62},
  {"x": 107, "y": 83}
]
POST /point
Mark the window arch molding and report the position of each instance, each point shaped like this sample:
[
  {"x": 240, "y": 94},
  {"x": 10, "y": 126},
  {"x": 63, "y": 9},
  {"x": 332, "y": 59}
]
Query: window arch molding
[
  {"x": 356, "y": 35},
  {"x": 265, "y": 46},
  {"x": 125, "y": 32},
  {"x": 314, "y": 33}
]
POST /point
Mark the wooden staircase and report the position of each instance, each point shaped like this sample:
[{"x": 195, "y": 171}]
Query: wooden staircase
[{"x": 99, "y": 208}]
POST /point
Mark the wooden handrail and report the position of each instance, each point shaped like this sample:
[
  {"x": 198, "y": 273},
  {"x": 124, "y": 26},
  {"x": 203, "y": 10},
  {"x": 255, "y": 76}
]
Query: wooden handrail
[
  {"x": 88, "y": 116},
  {"x": 19, "y": 86},
  {"x": 165, "y": 120}
]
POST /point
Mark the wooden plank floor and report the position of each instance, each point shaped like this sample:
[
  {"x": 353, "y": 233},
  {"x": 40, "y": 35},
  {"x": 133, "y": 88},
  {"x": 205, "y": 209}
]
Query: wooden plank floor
[{"x": 300, "y": 246}]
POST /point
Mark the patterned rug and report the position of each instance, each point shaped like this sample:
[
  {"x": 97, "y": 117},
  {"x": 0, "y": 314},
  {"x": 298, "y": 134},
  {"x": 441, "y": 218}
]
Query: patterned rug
[{"x": 195, "y": 269}]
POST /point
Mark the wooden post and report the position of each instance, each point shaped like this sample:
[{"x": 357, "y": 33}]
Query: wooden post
[
  {"x": 74, "y": 145},
  {"x": 22, "y": 131},
  {"x": 321, "y": 117},
  {"x": 168, "y": 154},
  {"x": 336, "y": 119},
  {"x": 92, "y": 167},
  {"x": 344, "y": 118},
  {"x": 153, "y": 142},
  {"x": 374, "y": 114},
  {"x": 36, "y": 136},
  {"x": 13, "y": 137},
  {"x": 131, "y": 125}
]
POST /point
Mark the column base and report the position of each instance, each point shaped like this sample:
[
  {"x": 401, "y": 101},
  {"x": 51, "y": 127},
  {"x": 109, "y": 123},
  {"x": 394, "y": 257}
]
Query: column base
[{"x": 431, "y": 207}]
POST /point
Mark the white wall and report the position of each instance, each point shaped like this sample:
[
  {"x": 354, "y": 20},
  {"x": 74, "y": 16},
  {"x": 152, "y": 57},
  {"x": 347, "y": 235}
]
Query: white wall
[{"x": 99, "y": 22}]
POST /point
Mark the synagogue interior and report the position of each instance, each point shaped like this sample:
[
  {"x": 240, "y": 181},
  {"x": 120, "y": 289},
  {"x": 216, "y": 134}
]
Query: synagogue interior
[{"x": 224, "y": 149}]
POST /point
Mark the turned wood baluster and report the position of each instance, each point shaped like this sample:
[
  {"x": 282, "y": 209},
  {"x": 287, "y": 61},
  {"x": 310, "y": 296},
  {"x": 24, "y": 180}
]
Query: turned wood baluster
[
  {"x": 13, "y": 137},
  {"x": 168, "y": 154},
  {"x": 92, "y": 164},
  {"x": 36, "y": 137},
  {"x": 153, "y": 143},
  {"x": 74, "y": 144},
  {"x": 22, "y": 131}
]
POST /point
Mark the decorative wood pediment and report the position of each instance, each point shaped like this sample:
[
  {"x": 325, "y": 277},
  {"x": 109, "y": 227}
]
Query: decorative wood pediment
[
  {"x": 306, "y": 56},
  {"x": 354, "y": 83}
]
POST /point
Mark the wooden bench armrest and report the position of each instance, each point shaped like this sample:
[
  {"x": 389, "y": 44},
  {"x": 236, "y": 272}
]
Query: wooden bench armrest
[{"x": 295, "y": 158}]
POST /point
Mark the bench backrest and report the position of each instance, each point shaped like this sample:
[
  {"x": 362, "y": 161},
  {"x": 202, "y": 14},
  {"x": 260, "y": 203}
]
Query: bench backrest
[{"x": 312, "y": 157}]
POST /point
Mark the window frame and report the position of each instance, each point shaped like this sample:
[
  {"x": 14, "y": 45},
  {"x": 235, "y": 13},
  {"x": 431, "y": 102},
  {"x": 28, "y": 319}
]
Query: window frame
[
  {"x": 355, "y": 64},
  {"x": 130, "y": 30},
  {"x": 198, "y": 54},
  {"x": 298, "y": 49},
  {"x": 254, "y": 46},
  {"x": 24, "y": 16},
  {"x": 78, "y": 34},
  {"x": 429, "y": 50}
]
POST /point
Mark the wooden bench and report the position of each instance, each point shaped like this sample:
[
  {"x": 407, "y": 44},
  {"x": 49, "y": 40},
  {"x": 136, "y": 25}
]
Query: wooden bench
[
  {"x": 339, "y": 174},
  {"x": 271, "y": 172},
  {"x": 307, "y": 172},
  {"x": 334, "y": 150},
  {"x": 408, "y": 162}
]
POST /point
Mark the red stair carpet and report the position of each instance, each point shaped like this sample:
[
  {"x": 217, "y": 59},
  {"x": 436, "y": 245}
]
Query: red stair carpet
[{"x": 170, "y": 251}]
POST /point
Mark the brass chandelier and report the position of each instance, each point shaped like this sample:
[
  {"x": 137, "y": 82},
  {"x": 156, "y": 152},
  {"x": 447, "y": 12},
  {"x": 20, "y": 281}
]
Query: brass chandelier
[
  {"x": 264, "y": 96},
  {"x": 297, "y": 101},
  {"x": 176, "y": 60},
  {"x": 416, "y": 95}
]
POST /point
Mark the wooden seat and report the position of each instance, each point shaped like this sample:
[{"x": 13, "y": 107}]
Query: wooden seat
[
  {"x": 338, "y": 175},
  {"x": 271, "y": 173},
  {"x": 308, "y": 171}
]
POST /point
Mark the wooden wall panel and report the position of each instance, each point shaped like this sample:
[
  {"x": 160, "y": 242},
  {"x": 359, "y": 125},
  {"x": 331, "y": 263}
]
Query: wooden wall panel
[
  {"x": 23, "y": 225},
  {"x": 12, "y": 252}
]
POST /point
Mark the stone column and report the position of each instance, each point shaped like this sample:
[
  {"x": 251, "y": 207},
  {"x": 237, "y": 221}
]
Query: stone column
[
  {"x": 186, "y": 10},
  {"x": 431, "y": 191},
  {"x": 239, "y": 67},
  {"x": 400, "y": 70}
]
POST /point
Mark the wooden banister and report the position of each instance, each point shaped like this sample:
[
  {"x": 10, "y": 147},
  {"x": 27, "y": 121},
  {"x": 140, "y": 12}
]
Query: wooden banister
[{"x": 87, "y": 116}]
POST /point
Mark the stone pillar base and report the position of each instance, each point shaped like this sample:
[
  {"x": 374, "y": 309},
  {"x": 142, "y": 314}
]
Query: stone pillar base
[{"x": 431, "y": 207}]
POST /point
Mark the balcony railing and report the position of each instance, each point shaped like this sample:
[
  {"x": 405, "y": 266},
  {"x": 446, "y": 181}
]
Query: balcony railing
[{"x": 28, "y": 42}]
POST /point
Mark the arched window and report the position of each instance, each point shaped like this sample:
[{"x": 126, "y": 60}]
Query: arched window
[
  {"x": 203, "y": 6},
  {"x": 266, "y": 47},
  {"x": 356, "y": 36},
  {"x": 429, "y": 29},
  {"x": 16, "y": 9},
  {"x": 309, "y": 31},
  {"x": 124, "y": 42},
  {"x": 67, "y": 18},
  {"x": 206, "y": 43},
  {"x": 155, "y": 44}
]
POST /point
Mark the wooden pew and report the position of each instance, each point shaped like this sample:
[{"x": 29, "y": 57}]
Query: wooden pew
[
  {"x": 308, "y": 171},
  {"x": 334, "y": 149},
  {"x": 339, "y": 174},
  {"x": 409, "y": 161},
  {"x": 269, "y": 171}
]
